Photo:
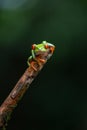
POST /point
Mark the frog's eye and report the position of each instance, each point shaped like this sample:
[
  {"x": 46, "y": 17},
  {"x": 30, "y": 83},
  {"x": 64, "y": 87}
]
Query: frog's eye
[
  {"x": 46, "y": 46},
  {"x": 33, "y": 47}
]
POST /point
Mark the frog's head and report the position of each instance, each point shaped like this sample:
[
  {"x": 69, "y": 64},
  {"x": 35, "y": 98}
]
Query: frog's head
[
  {"x": 43, "y": 47},
  {"x": 49, "y": 46}
]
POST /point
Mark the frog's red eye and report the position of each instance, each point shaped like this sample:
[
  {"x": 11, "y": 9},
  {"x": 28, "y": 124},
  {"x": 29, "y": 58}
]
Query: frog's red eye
[
  {"x": 46, "y": 46},
  {"x": 33, "y": 47}
]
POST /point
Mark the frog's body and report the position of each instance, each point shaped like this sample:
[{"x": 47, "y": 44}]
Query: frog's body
[{"x": 38, "y": 49}]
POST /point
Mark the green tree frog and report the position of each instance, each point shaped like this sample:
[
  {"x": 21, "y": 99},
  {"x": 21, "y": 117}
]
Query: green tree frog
[{"x": 38, "y": 49}]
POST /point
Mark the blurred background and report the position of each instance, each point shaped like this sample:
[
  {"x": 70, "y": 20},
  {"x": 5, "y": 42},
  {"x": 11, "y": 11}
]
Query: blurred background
[{"x": 57, "y": 99}]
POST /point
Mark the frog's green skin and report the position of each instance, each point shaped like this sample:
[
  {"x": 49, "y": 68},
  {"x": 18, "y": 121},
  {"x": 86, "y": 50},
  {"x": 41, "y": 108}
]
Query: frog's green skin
[{"x": 38, "y": 48}]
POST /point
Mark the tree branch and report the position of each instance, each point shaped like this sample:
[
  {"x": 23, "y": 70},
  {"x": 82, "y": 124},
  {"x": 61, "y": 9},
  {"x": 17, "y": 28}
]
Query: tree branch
[{"x": 20, "y": 88}]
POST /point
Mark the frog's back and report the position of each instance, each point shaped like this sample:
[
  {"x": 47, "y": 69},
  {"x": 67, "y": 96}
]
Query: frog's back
[{"x": 40, "y": 47}]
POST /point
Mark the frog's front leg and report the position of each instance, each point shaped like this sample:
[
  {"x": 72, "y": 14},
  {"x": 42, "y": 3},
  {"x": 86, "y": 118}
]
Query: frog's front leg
[
  {"x": 31, "y": 57},
  {"x": 30, "y": 61},
  {"x": 33, "y": 54}
]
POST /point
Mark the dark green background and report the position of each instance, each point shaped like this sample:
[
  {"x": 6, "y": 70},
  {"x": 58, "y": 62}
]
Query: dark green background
[{"x": 57, "y": 99}]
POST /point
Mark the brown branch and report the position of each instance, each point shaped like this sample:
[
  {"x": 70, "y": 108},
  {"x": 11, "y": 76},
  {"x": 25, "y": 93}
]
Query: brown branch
[{"x": 20, "y": 88}]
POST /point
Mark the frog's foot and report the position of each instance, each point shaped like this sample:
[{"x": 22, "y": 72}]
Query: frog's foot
[
  {"x": 41, "y": 60},
  {"x": 33, "y": 66}
]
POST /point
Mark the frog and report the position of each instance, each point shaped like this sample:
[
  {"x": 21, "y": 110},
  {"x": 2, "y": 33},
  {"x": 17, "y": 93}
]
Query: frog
[{"x": 38, "y": 49}]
